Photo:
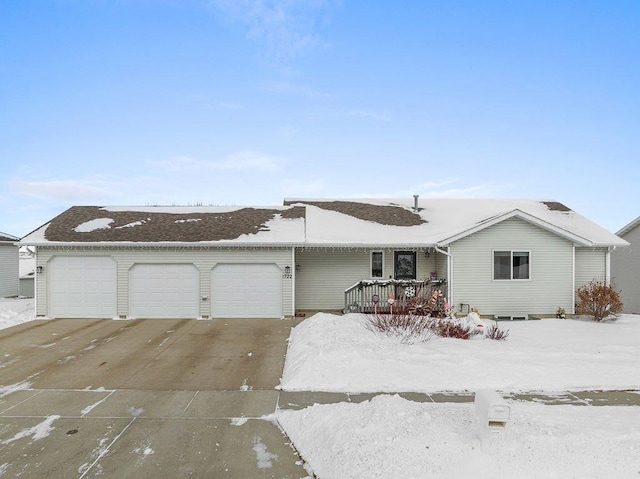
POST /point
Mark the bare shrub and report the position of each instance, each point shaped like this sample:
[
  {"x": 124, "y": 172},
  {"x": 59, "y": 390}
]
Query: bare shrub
[
  {"x": 598, "y": 300},
  {"x": 407, "y": 327},
  {"x": 418, "y": 317},
  {"x": 495, "y": 333},
  {"x": 453, "y": 329}
]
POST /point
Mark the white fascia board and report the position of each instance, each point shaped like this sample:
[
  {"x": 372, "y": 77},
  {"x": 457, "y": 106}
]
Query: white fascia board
[
  {"x": 379, "y": 246},
  {"x": 625, "y": 229},
  {"x": 576, "y": 239}
]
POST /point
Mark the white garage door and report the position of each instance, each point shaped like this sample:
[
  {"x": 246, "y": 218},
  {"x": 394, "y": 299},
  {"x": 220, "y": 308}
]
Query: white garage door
[
  {"x": 164, "y": 291},
  {"x": 246, "y": 291},
  {"x": 82, "y": 287}
]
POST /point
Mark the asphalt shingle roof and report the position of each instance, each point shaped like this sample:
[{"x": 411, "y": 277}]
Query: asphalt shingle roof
[
  {"x": 390, "y": 215},
  {"x": 333, "y": 222},
  {"x": 149, "y": 226}
]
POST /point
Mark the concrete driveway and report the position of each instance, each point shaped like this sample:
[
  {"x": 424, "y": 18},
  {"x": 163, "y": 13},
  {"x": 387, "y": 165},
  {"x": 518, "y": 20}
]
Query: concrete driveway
[{"x": 146, "y": 398}]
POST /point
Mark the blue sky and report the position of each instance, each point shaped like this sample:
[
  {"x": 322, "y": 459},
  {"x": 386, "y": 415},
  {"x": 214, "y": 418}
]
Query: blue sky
[{"x": 141, "y": 102}]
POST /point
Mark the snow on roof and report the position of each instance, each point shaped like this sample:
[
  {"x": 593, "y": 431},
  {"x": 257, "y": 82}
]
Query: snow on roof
[
  {"x": 7, "y": 237},
  {"x": 445, "y": 220},
  {"x": 318, "y": 222},
  {"x": 94, "y": 225},
  {"x": 169, "y": 225}
]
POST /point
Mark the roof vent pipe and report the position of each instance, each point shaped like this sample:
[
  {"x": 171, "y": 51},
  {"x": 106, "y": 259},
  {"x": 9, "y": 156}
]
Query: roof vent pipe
[{"x": 415, "y": 202}]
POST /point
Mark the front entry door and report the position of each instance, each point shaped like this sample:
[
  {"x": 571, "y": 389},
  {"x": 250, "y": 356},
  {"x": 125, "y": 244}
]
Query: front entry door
[{"x": 405, "y": 264}]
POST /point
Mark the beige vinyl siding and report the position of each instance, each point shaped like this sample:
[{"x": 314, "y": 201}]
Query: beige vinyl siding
[
  {"x": 625, "y": 271},
  {"x": 322, "y": 275},
  {"x": 591, "y": 265},
  {"x": 551, "y": 271},
  {"x": 202, "y": 258},
  {"x": 9, "y": 283},
  {"x": 441, "y": 265}
]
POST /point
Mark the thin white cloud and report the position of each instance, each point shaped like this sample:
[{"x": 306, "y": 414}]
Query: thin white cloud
[
  {"x": 471, "y": 191},
  {"x": 253, "y": 160},
  {"x": 445, "y": 188},
  {"x": 241, "y": 160},
  {"x": 229, "y": 105},
  {"x": 302, "y": 187},
  {"x": 288, "y": 88},
  {"x": 71, "y": 190},
  {"x": 370, "y": 115},
  {"x": 178, "y": 163},
  {"x": 289, "y": 28},
  {"x": 287, "y": 131},
  {"x": 97, "y": 189}
]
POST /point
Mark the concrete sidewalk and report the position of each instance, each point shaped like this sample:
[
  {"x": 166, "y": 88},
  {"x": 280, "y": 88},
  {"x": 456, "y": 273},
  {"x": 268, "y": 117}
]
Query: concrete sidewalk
[
  {"x": 302, "y": 399},
  {"x": 151, "y": 434}
]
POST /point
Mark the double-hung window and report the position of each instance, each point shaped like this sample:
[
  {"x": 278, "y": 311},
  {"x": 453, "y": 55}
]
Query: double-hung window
[
  {"x": 511, "y": 265},
  {"x": 377, "y": 262}
]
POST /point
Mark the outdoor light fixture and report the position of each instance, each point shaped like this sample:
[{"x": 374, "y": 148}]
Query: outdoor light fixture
[
  {"x": 287, "y": 270},
  {"x": 40, "y": 269}
]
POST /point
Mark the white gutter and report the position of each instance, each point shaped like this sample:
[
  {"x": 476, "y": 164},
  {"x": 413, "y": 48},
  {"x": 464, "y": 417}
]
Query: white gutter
[{"x": 449, "y": 274}]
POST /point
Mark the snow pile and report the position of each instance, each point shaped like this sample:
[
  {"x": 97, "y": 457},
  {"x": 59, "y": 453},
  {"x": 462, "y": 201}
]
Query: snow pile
[
  {"x": 337, "y": 353},
  {"x": 15, "y": 311},
  {"x": 392, "y": 437}
]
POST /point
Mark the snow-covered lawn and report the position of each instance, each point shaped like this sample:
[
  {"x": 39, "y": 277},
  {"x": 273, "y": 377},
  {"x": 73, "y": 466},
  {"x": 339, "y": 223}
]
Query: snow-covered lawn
[
  {"x": 390, "y": 437},
  {"x": 337, "y": 353}
]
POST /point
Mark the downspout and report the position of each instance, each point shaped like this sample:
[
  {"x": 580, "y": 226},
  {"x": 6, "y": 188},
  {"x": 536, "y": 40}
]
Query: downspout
[
  {"x": 607, "y": 265},
  {"x": 573, "y": 282},
  {"x": 293, "y": 282},
  {"x": 449, "y": 274}
]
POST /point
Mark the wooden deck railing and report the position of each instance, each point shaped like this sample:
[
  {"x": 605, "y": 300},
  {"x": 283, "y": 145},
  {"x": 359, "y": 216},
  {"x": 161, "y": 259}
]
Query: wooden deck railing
[{"x": 372, "y": 296}]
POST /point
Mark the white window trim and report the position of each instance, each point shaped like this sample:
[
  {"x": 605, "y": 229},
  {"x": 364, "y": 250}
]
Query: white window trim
[
  {"x": 493, "y": 265},
  {"x": 371, "y": 263}
]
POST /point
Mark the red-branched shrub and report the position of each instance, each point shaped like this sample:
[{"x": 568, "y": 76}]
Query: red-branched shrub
[
  {"x": 494, "y": 332},
  {"x": 406, "y": 326},
  {"x": 598, "y": 300},
  {"x": 453, "y": 329}
]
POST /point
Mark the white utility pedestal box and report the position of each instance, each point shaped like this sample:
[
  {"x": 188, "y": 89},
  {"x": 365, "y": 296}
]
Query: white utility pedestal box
[{"x": 492, "y": 413}]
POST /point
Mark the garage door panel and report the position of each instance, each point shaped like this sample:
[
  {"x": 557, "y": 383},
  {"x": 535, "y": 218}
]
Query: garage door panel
[
  {"x": 164, "y": 291},
  {"x": 246, "y": 291},
  {"x": 82, "y": 287}
]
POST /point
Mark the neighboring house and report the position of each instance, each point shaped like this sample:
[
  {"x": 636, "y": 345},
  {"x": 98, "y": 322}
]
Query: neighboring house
[
  {"x": 508, "y": 258},
  {"x": 625, "y": 267},
  {"x": 8, "y": 265},
  {"x": 27, "y": 270}
]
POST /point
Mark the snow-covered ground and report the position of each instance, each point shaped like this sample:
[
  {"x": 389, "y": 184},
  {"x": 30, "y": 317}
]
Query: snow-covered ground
[
  {"x": 391, "y": 437},
  {"x": 337, "y": 353},
  {"x": 14, "y": 311}
]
